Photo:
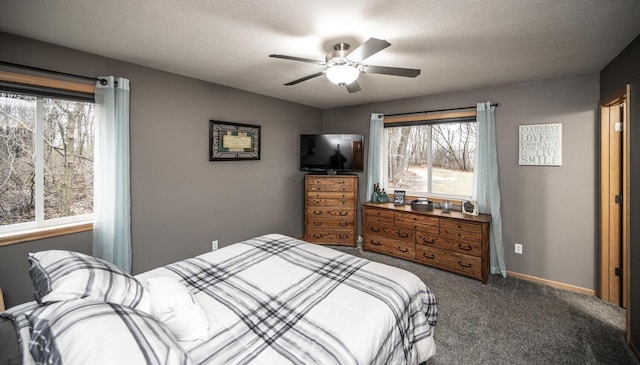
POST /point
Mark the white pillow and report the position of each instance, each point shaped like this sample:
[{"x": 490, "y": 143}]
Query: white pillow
[
  {"x": 59, "y": 275},
  {"x": 81, "y": 332},
  {"x": 173, "y": 305}
]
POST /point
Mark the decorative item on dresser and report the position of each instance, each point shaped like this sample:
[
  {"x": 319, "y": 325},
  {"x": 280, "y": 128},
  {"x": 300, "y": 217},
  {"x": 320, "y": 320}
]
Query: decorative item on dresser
[
  {"x": 451, "y": 241},
  {"x": 330, "y": 209}
]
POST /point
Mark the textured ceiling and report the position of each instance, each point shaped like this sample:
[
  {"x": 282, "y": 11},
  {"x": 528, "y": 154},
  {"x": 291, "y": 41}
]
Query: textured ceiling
[{"x": 458, "y": 44}]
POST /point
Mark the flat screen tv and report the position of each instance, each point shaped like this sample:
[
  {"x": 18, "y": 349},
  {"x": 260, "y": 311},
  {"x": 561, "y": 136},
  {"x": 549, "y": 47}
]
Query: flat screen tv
[{"x": 331, "y": 153}]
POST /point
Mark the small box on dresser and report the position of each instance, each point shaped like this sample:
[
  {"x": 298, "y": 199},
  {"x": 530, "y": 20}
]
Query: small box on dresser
[
  {"x": 330, "y": 213},
  {"x": 450, "y": 241}
]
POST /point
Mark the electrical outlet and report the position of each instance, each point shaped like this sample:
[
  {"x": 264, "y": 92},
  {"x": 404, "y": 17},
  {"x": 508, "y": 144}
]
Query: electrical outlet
[
  {"x": 214, "y": 245},
  {"x": 518, "y": 248}
]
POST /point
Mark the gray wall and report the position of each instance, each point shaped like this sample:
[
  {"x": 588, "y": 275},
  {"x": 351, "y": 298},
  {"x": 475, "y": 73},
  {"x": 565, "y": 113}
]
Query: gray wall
[
  {"x": 621, "y": 71},
  {"x": 14, "y": 268},
  {"x": 550, "y": 210},
  {"x": 180, "y": 200}
]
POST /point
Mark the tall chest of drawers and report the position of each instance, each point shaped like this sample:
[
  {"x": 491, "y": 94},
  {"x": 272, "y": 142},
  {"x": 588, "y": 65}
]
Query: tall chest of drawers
[
  {"x": 451, "y": 241},
  {"x": 330, "y": 213}
]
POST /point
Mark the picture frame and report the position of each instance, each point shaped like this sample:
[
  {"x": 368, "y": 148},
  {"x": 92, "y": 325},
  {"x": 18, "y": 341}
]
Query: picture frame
[
  {"x": 540, "y": 144},
  {"x": 469, "y": 207},
  {"x": 399, "y": 197},
  {"x": 233, "y": 141}
]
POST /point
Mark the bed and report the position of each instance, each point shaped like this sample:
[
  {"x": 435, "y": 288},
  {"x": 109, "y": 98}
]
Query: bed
[{"x": 272, "y": 299}]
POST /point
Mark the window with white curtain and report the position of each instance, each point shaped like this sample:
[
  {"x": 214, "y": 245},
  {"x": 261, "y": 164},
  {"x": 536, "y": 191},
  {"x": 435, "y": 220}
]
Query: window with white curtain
[
  {"x": 430, "y": 158},
  {"x": 46, "y": 157}
]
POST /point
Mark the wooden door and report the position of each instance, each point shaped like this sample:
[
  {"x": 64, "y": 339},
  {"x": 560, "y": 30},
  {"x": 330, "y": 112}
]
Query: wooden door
[{"x": 614, "y": 197}]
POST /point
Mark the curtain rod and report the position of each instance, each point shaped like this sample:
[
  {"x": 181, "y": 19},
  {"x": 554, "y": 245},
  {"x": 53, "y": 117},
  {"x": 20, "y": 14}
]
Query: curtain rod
[
  {"x": 16, "y": 65},
  {"x": 435, "y": 110}
]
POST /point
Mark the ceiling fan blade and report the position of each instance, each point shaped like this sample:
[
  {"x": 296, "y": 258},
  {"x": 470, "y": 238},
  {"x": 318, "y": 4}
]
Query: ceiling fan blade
[
  {"x": 395, "y": 71},
  {"x": 292, "y": 58},
  {"x": 353, "y": 87},
  {"x": 305, "y": 78},
  {"x": 368, "y": 49}
]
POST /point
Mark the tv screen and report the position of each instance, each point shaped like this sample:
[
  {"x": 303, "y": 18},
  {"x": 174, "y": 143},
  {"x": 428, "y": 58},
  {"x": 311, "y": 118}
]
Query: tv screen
[{"x": 331, "y": 152}]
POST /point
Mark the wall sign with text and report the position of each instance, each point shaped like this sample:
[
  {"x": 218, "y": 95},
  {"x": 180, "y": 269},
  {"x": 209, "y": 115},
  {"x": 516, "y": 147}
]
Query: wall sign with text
[
  {"x": 233, "y": 141},
  {"x": 540, "y": 145}
]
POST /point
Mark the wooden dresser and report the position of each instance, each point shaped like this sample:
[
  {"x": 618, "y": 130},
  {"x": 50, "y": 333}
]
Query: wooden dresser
[
  {"x": 330, "y": 213},
  {"x": 451, "y": 241}
]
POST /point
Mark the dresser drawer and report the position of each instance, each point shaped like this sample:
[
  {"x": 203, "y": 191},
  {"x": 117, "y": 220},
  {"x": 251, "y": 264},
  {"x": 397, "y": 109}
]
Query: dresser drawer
[
  {"x": 462, "y": 236},
  {"x": 389, "y": 246},
  {"x": 456, "y": 225},
  {"x": 330, "y": 223},
  {"x": 449, "y": 244},
  {"x": 331, "y": 194},
  {"x": 375, "y": 219},
  {"x": 332, "y": 180},
  {"x": 330, "y": 236},
  {"x": 373, "y": 212},
  {"x": 390, "y": 231},
  {"x": 330, "y": 212},
  {"x": 417, "y": 221},
  {"x": 329, "y": 202},
  {"x": 451, "y": 261},
  {"x": 331, "y": 188}
]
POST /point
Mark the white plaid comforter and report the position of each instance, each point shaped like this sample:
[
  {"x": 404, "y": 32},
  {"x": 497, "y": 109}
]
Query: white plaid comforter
[{"x": 278, "y": 300}]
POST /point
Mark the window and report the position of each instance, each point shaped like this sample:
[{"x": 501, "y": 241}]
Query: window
[
  {"x": 431, "y": 158},
  {"x": 46, "y": 158}
]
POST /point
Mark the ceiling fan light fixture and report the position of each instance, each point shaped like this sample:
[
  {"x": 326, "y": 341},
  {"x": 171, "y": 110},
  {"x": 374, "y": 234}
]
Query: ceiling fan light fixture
[{"x": 342, "y": 74}]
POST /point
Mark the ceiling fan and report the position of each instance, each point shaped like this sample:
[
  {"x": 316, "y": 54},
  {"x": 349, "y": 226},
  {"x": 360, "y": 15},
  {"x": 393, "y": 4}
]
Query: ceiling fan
[{"x": 343, "y": 67}]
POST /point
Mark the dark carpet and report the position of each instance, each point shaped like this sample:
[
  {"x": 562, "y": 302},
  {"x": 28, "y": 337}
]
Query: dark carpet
[{"x": 514, "y": 321}]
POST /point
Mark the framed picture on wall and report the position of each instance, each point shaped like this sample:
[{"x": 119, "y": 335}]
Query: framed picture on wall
[
  {"x": 233, "y": 141},
  {"x": 540, "y": 145}
]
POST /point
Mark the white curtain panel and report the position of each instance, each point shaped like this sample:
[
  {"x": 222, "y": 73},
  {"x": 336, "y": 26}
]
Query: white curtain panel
[
  {"x": 112, "y": 203},
  {"x": 485, "y": 185},
  {"x": 376, "y": 148}
]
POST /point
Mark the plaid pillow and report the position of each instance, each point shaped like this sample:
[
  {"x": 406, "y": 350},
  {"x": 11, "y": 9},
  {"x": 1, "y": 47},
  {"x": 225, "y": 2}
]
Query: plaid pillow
[
  {"x": 86, "y": 332},
  {"x": 62, "y": 275}
]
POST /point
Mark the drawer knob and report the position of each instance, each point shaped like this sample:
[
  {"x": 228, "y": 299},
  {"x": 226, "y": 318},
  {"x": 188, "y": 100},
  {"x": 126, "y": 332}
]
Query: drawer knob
[
  {"x": 343, "y": 236},
  {"x": 465, "y": 247},
  {"x": 468, "y": 266},
  {"x": 403, "y": 235},
  {"x": 317, "y": 235},
  {"x": 374, "y": 229},
  {"x": 430, "y": 257},
  {"x": 317, "y": 212},
  {"x": 343, "y": 213},
  {"x": 343, "y": 224},
  {"x": 317, "y": 224},
  {"x": 405, "y": 250},
  {"x": 375, "y": 243},
  {"x": 426, "y": 240}
]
